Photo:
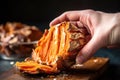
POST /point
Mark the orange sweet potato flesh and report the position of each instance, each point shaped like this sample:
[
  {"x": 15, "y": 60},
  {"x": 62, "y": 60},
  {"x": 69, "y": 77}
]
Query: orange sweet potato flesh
[{"x": 56, "y": 49}]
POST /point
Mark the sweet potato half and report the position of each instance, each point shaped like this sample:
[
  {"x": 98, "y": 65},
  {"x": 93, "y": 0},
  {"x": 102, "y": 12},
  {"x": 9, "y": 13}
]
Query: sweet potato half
[{"x": 56, "y": 50}]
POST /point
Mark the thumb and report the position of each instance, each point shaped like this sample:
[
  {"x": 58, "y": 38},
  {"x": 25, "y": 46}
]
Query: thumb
[{"x": 88, "y": 50}]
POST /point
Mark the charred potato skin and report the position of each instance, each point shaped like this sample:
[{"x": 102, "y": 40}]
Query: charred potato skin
[{"x": 79, "y": 36}]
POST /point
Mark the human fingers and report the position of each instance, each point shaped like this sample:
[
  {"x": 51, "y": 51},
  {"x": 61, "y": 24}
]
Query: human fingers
[
  {"x": 77, "y": 23},
  {"x": 89, "y": 49},
  {"x": 66, "y": 16}
]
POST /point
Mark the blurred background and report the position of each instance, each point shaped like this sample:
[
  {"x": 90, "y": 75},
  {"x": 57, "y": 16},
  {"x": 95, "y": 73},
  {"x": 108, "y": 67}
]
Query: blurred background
[{"x": 43, "y": 11}]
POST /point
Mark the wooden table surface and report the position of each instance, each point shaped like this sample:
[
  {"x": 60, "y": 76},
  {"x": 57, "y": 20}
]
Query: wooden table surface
[{"x": 72, "y": 74}]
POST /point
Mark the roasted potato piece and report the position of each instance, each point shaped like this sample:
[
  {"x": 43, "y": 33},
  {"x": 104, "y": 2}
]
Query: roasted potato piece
[{"x": 56, "y": 50}]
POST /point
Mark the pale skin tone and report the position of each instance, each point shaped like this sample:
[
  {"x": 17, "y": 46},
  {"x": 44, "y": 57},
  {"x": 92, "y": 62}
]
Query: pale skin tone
[{"x": 103, "y": 27}]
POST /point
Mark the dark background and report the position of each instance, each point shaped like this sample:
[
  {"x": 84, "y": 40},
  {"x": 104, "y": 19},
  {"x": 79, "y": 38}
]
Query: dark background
[{"x": 43, "y": 11}]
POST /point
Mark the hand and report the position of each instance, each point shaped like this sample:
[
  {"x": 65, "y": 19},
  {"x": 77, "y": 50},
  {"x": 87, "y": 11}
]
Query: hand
[{"x": 103, "y": 27}]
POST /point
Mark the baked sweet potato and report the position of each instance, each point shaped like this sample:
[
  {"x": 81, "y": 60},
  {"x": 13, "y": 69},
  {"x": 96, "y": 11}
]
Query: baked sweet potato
[{"x": 56, "y": 50}]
